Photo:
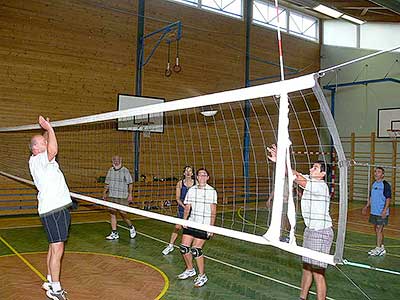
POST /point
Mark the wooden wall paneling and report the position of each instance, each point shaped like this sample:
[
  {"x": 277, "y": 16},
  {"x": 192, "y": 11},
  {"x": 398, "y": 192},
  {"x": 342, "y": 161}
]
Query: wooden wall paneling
[{"x": 68, "y": 59}]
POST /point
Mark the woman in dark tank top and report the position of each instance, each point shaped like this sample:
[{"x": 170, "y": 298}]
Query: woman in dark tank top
[{"x": 181, "y": 189}]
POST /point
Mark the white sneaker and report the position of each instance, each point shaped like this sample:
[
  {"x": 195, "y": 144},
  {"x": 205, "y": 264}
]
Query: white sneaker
[
  {"x": 46, "y": 286},
  {"x": 380, "y": 251},
  {"x": 200, "y": 280},
  {"x": 61, "y": 295},
  {"x": 373, "y": 251},
  {"x": 113, "y": 236},
  {"x": 187, "y": 273},
  {"x": 132, "y": 232},
  {"x": 168, "y": 249}
]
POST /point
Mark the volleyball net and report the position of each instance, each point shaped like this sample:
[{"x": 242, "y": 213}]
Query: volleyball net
[{"x": 227, "y": 133}]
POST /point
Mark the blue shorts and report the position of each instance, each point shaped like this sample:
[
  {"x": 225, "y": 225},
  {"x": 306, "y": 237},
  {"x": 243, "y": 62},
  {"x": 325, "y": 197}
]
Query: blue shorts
[
  {"x": 378, "y": 220},
  {"x": 56, "y": 225},
  {"x": 180, "y": 212}
]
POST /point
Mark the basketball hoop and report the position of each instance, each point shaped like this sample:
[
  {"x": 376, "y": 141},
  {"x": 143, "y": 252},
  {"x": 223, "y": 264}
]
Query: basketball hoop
[
  {"x": 145, "y": 127},
  {"x": 394, "y": 133},
  {"x": 146, "y": 133}
]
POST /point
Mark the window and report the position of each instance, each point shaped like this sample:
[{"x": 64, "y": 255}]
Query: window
[
  {"x": 264, "y": 14},
  {"x": 227, "y": 7},
  {"x": 303, "y": 25},
  {"x": 230, "y": 7},
  {"x": 189, "y": 2}
]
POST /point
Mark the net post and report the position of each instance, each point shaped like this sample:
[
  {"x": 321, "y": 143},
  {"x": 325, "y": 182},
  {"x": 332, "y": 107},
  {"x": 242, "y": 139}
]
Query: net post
[
  {"x": 352, "y": 155},
  {"x": 372, "y": 152}
]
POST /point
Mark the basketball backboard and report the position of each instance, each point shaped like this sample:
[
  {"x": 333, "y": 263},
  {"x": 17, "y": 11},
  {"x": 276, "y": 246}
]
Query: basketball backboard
[
  {"x": 388, "y": 118},
  {"x": 146, "y": 123}
]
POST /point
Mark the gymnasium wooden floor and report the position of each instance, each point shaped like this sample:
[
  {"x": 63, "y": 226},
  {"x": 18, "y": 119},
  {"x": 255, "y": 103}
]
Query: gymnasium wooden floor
[{"x": 135, "y": 269}]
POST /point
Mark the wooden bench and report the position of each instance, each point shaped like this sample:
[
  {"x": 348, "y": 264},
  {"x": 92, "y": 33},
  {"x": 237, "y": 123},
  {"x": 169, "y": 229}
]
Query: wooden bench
[{"x": 21, "y": 198}]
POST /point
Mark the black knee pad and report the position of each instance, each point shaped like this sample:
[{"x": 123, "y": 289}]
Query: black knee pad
[
  {"x": 196, "y": 252},
  {"x": 184, "y": 249}
]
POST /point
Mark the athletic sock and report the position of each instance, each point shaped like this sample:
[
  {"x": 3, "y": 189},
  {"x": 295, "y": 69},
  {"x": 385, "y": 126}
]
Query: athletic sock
[
  {"x": 56, "y": 286},
  {"x": 48, "y": 277}
]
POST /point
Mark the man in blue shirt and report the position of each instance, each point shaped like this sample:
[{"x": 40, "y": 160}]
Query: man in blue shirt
[{"x": 379, "y": 200}]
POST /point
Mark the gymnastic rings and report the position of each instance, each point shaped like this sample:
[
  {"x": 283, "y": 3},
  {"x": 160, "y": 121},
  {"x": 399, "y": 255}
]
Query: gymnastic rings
[
  {"x": 177, "y": 68},
  {"x": 168, "y": 71}
]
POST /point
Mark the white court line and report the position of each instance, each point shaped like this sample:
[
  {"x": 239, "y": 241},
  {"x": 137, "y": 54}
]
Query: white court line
[{"x": 228, "y": 264}]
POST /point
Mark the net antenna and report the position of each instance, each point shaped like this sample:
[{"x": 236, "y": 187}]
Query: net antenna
[{"x": 283, "y": 164}]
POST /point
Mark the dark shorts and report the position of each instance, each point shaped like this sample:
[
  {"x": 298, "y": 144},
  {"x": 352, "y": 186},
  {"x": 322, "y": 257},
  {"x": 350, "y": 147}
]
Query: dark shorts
[
  {"x": 196, "y": 233},
  {"x": 122, "y": 201},
  {"x": 318, "y": 240},
  {"x": 378, "y": 220},
  {"x": 180, "y": 212},
  {"x": 56, "y": 225}
]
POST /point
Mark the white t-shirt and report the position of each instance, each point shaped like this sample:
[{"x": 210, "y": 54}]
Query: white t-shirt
[
  {"x": 315, "y": 204},
  {"x": 201, "y": 200},
  {"x": 50, "y": 182}
]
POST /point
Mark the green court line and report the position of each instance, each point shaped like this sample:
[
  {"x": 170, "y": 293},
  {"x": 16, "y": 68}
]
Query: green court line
[{"x": 36, "y": 271}]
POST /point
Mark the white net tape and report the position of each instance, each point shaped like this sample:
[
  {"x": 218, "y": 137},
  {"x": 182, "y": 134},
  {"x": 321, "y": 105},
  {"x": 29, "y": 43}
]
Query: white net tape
[{"x": 230, "y": 143}]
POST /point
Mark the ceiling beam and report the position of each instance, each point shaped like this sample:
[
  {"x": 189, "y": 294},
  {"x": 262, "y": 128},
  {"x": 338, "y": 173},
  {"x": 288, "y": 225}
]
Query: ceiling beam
[{"x": 393, "y": 5}]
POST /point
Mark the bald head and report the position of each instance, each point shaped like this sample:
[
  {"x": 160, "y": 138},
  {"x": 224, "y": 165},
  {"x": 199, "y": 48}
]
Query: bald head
[
  {"x": 38, "y": 144},
  {"x": 116, "y": 161}
]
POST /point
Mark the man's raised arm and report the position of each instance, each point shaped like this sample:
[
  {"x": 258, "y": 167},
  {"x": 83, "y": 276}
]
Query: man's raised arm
[{"x": 52, "y": 146}]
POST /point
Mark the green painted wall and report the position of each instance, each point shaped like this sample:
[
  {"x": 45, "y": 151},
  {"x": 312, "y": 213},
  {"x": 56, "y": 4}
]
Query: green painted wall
[{"x": 356, "y": 107}]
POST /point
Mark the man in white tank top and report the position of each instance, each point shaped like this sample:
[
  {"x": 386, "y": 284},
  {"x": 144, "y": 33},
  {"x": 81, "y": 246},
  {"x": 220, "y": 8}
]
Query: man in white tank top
[{"x": 53, "y": 202}]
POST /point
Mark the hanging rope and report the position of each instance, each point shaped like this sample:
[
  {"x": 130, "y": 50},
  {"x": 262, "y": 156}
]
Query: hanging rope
[
  {"x": 168, "y": 71},
  {"x": 391, "y": 67},
  {"x": 177, "y": 68}
]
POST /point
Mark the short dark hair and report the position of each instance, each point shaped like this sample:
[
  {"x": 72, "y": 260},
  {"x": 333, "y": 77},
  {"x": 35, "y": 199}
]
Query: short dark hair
[
  {"x": 186, "y": 167},
  {"x": 191, "y": 168},
  {"x": 322, "y": 165},
  {"x": 202, "y": 169},
  {"x": 380, "y": 168}
]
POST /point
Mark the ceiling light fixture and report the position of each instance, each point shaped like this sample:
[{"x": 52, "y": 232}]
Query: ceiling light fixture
[
  {"x": 209, "y": 113},
  {"x": 328, "y": 11},
  {"x": 352, "y": 19}
]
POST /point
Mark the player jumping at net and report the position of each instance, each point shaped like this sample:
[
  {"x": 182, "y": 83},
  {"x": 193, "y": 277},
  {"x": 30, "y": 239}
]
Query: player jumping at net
[
  {"x": 379, "y": 200},
  {"x": 181, "y": 189},
  {"x": 54, "y": 200},
  {"x": 318, "y": 233},
  {"x": 119, "y": 188},
  {"x": 200, "y": 207}
]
